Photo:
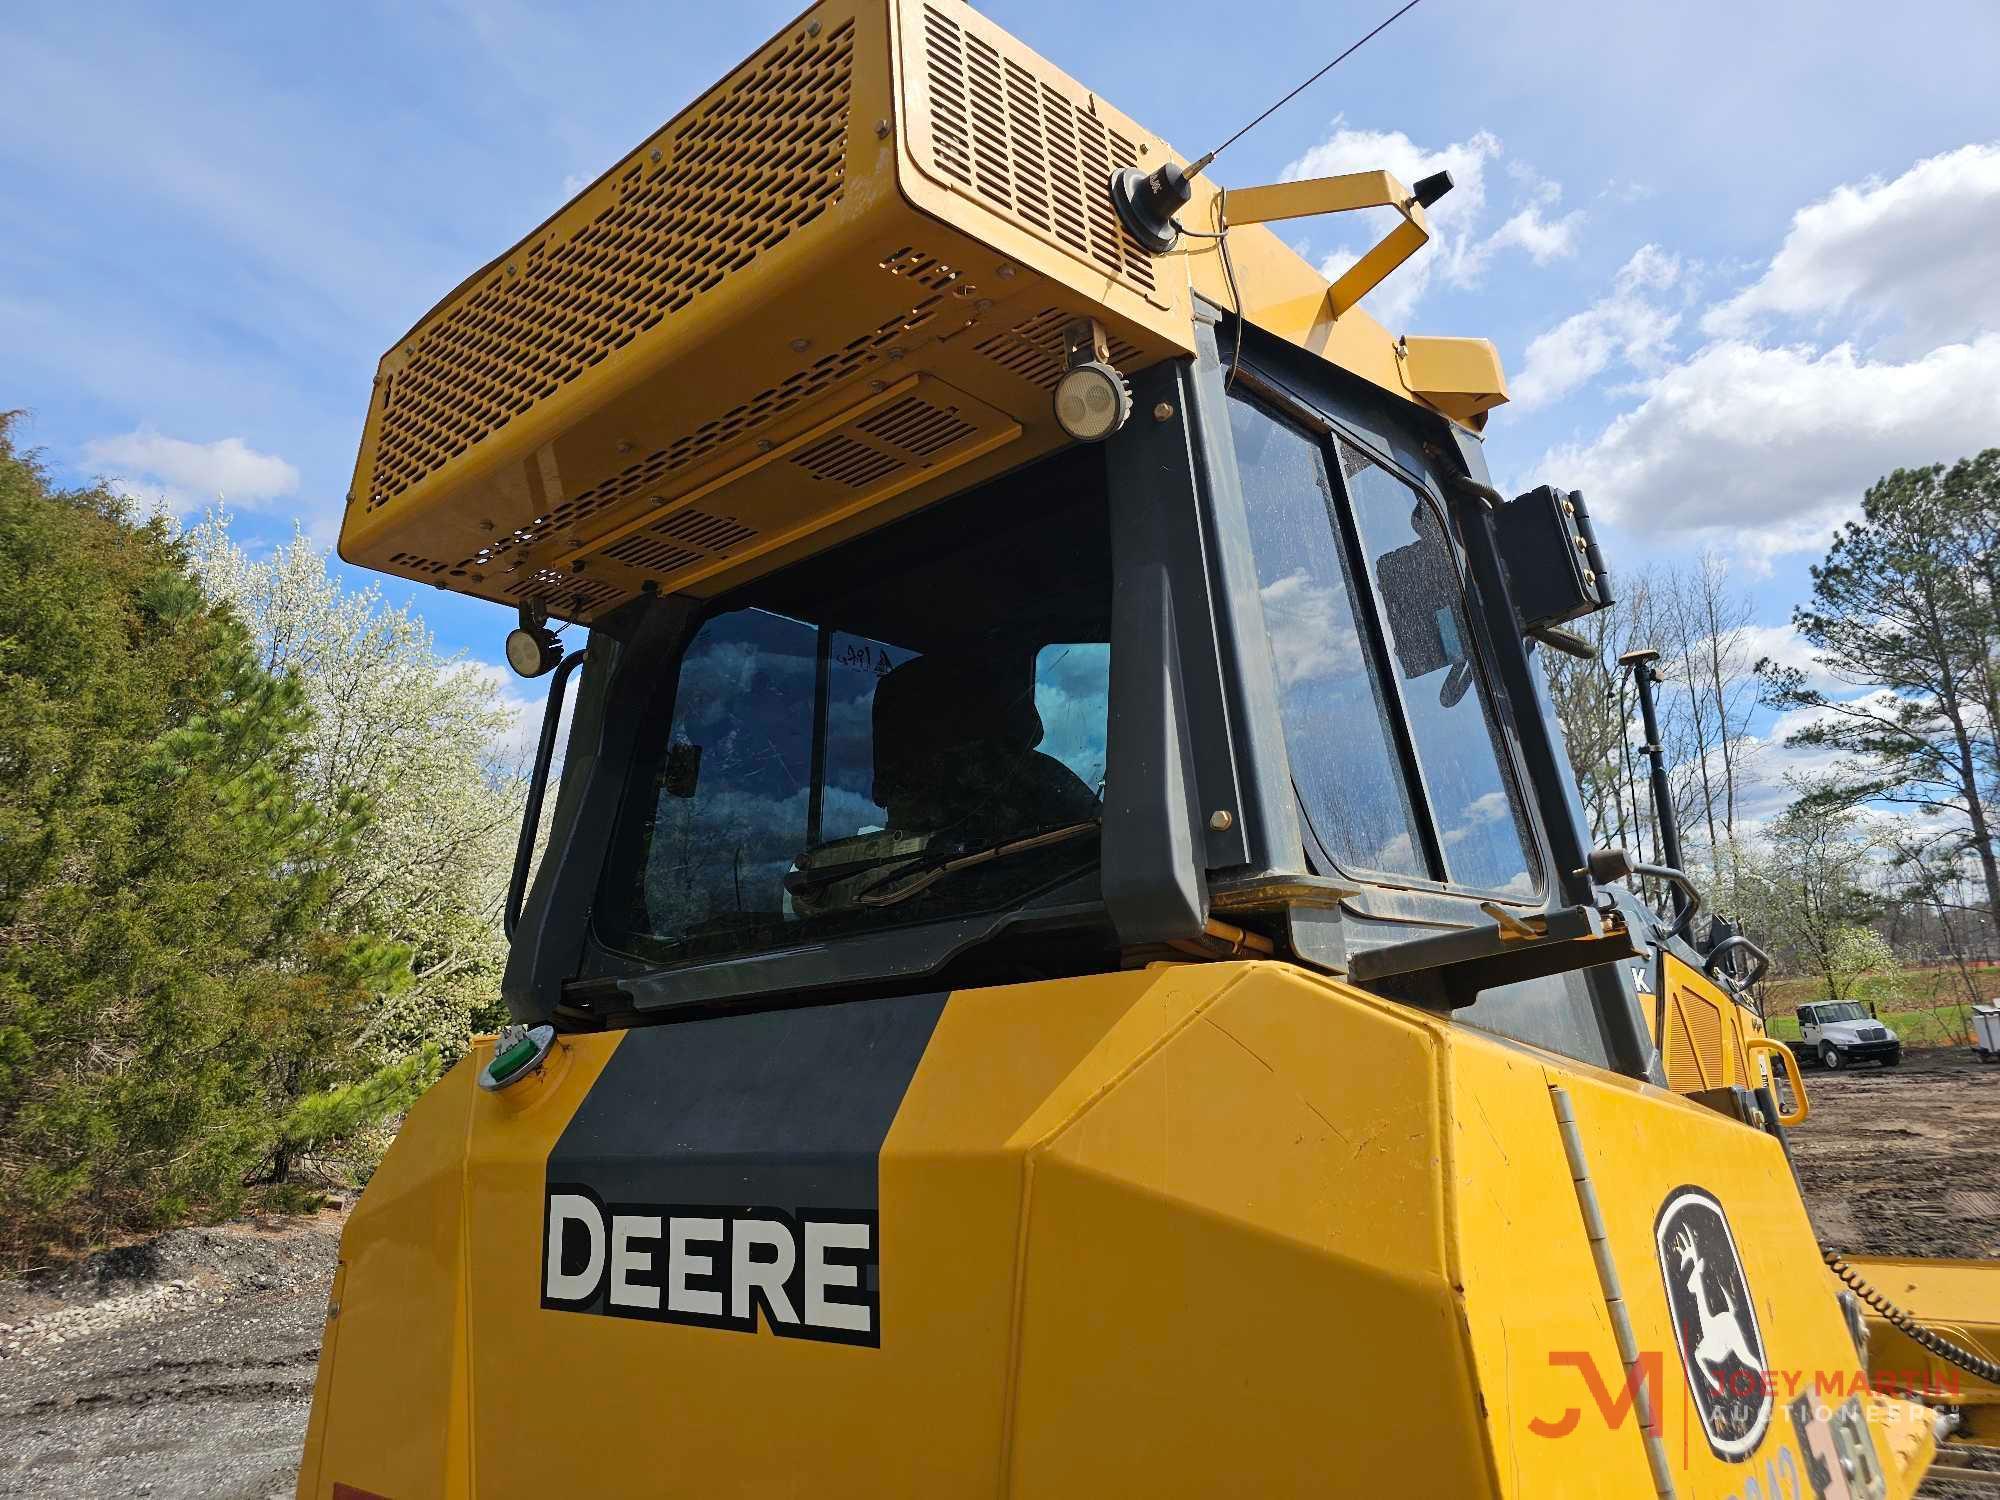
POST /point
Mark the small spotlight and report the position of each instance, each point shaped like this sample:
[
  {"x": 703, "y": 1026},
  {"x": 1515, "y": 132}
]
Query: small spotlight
[
  {"x": 533, "y": 649},
  {"x": 1091, "y": 401},
  {"x": 1432, "y": 188}
]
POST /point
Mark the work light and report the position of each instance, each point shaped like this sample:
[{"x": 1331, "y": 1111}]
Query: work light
[
  {"x": 533, "y": 650},
  {"x": 1091, "y": 401}
]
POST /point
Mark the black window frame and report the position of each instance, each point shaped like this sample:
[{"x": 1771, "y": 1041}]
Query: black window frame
[
  {"x": 1278, "y": 401},
  {"x": 1172, "y": 756}
]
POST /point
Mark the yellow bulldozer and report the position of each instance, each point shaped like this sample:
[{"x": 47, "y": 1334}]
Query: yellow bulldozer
[{"x": 1064, "y": 957}]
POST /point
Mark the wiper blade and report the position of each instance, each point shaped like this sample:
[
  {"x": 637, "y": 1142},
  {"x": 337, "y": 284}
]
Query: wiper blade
[{"x": 903, "y": 883}]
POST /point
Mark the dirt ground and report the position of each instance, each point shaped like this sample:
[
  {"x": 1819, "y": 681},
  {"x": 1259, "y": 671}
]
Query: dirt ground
[
  {"x": 1906, "y": 1161},
  {"x": 179, "y": 1369},
  {"x": 182, "y": 1368}
]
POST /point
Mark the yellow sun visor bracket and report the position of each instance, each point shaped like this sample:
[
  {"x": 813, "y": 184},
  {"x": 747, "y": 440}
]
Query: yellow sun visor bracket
[
  {"x": 1336, "y": 195},
  {"x": 1461, "y": 378}
]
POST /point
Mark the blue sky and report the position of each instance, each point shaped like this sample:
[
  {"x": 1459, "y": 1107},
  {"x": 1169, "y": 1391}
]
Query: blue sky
[{"x": 1736, "y": 258}]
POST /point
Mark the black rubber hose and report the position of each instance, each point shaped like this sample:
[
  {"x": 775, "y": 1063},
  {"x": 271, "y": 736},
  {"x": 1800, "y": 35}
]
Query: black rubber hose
[{"x": 1909, "y": 1327}]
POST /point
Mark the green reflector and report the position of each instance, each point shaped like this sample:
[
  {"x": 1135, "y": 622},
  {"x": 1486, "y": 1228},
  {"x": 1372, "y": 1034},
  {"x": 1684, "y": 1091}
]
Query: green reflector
[{"x": 510, "y": 1062}]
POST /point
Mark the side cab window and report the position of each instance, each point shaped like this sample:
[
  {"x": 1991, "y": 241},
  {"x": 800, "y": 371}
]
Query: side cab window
[{"x": 1396, "y": 755}]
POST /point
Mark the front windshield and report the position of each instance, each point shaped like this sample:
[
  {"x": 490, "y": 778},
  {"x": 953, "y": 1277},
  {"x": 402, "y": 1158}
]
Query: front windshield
[
  {"x": 1846, "y": 1010},
  {"x": 911, "y": 728}
]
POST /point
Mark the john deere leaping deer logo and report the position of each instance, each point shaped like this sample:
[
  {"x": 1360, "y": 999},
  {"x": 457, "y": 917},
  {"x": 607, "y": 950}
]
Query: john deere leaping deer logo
[{"x": 1715, "y": 1322}]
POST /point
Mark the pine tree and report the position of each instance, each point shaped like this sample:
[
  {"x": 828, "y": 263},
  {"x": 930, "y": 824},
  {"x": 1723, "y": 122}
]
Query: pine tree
[
  {"x": 1904, "y": 603},
  {"x": 172, "y": 993}
]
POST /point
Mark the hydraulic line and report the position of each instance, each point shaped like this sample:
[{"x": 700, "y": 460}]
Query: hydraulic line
[{"x": 1909, "y": 1327}]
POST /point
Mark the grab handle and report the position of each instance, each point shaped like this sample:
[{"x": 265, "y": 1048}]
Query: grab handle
[
  {"x": 1727, "y": 946},
  {"x": 1783, "y": 1053},
  {"x": 538, "y": 785}
]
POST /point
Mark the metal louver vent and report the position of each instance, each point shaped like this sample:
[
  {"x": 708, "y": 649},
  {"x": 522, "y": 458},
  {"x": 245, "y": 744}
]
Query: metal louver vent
[
  {"x": 889, "y": 441},
  {"x": 915, "y": 425},
  {"x": 760, "y": 162},
  {"x": 683, "y": 538},
  {"x": 709, "y": 533},
  {"x": 926, "y": 270},
  {"x": 1683, "y": 1064},
  {"x": 842, "y": 460},
  {"x": 1026, "y": 147},
  {"x": 651, "y": 554},
  {"x": 691, "y": 448},
  {"x": 565, "y": 590},
  {"x": 904, "y": 435},
  {"x": 1034, "y": 350},
  {"x": 1705, "y": 1029}
]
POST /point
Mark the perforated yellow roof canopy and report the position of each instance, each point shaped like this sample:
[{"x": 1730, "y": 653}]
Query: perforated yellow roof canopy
[{"x": 830, "y": 290}]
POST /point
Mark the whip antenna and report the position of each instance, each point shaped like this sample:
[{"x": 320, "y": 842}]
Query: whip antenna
[
  {"x": 1200, "y": 164},
  {"x": 1147, "y": 204}
]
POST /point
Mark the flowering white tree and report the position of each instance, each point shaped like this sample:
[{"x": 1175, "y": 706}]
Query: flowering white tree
[{"x": 416, "y": 735}]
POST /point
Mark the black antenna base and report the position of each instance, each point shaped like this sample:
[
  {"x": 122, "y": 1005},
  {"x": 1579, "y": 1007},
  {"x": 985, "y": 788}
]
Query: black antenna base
[{"x": 1147, "y": 203}]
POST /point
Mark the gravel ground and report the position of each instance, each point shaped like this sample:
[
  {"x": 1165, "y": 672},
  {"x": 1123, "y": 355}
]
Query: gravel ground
[
  {"x": 182, "y": 1368},
  {"x": 177, "y": 1368}
]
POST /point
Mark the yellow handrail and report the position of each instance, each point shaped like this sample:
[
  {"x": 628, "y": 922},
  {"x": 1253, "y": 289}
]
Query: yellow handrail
[{"x": 1776, "y": 1048}]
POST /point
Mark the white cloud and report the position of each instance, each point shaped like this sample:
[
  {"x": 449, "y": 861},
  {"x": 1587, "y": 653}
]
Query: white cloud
[
  {"x": 1312, "y": 630},
  {"x": 1775, "y": 765},
  {"x": 1618, "y": 190},
  {"x": 1544, "y": 239},
  {"x": 1628, "y": 325},
  {"x": 183, "y": 477},
  {"x": 1764, "y": 444},
  {"x": 1914, "y": 254},
  {"x": 1781, "y": 645},
  {"x": 1768, "y": 448},
  {"x": 1461, "y": 243}
]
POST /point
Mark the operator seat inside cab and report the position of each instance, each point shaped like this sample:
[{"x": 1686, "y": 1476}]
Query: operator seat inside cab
[{"x": 955, "y": 738}]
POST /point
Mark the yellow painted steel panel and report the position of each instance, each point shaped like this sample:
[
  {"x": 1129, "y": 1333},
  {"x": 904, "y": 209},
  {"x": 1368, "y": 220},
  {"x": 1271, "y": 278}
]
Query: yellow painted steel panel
[
  {"x": 1460, "y": 377},
  {"x": 1198, "y": 1229},
  {"x": 1234, "y": 1266},
  {"x": 888, "y": 188},
  {"x": 1644, "y": 1148},
  {"x": 1702, "y": 1041},
  {"x": 1533, "y": 1308},
  {"x": 1958, "y": 1298}
]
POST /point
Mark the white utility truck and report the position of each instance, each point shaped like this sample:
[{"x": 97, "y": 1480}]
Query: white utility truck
[{"x": 1834, "y": 1033}]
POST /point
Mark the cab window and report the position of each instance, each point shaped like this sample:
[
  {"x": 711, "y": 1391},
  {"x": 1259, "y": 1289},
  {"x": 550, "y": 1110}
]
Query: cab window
[
  {"x": 1336, "y": 717},
  {"x": 1395, "y": 753},
  {"x": 1479, "y": 823},
  {"x": 910, "y": 728}
]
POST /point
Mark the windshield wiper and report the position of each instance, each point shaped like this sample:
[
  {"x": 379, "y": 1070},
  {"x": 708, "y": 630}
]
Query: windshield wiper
[{"x": 902, "y": 883}]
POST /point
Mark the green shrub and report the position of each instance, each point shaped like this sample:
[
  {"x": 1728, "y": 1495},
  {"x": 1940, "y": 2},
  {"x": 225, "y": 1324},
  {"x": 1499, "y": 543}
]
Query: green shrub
[{"x": 173, "y": 993}]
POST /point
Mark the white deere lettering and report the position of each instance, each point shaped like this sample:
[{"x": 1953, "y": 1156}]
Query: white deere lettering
[
  {"x": 769, "y": 1275},
  {"x": 802, "y": 1275},
  {"x": 823, "y": 1275},
  {"x": 566, "y": 1209},
  {"x": 626, "y": 1228},
  {"x": 683, "y": 1262}
]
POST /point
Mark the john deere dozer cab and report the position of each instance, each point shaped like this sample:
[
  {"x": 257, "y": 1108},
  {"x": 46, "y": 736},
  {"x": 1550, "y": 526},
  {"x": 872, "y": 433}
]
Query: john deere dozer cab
[{"x": 1064, "y": 959}]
